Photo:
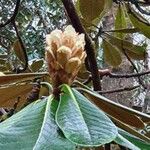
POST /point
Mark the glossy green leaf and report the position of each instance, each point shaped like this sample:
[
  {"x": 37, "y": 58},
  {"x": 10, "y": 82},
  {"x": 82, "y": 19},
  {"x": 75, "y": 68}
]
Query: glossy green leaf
[
  {"x": 120, "y": 21},
  {"x": 124, "y": 142},
  {"x": 140, "y": 23},
  {"x": 133, "y": 51},
  {"x": 34, "y": 128},
  {"x": 87, "y": 13},
  {"x": 81, "y": 121},
  {"x": 107, "y": 7},
  {"x": 91, "y": 9},
  {"x": 111, "y": 54},
  {"x": 136, "y": 141}
]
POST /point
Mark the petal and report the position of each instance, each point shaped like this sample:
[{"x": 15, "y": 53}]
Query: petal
[
  {"x": 54, "y": 37},
  {"x": 63, "y": 54},
  {"x": 73, "y": 65}
]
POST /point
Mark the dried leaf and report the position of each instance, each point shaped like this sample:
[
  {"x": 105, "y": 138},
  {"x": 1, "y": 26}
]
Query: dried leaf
[
  {"x": 118, "y": 113},
  {"x": 15, "y": 91},
  {"x": 6, "y": 79},
  {"x": 36, "y": 65},
  {"x": 99, "y": 99},
  {"x": 3, "y": 68},
  {"x": 18, "y": 51},
  {"x": 2, "y": 61},
  {"x": 129, "y": 129},
  {"x": 3, "y": 56}
]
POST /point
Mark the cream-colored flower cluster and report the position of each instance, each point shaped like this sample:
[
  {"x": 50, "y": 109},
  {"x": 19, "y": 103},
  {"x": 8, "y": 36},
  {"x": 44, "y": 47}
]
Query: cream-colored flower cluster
[{"x": 64, "y": 54}]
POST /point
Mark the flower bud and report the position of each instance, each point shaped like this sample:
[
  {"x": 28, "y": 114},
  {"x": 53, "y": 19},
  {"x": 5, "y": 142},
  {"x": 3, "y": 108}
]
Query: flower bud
[
  {"x": 54, "y": 40},
  {"x": 73, "y": 65},
  {"x": 63, "y": 54},
  {"x": 83, "y": 56},
  {"x": 49, "y": 54}
]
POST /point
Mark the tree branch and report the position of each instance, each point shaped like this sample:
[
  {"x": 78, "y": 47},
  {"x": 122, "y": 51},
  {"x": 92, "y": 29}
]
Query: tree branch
[
  {"x": 72, "y": 14},
  {"x": 112, "y": 75},
  {"x": 13, "y": 16},
  {"x": 107, "y": 72},
  {"x": 119, "y": 90},
  {"x": 19, "y": 70},
  {"x": 134, "y": 67}
]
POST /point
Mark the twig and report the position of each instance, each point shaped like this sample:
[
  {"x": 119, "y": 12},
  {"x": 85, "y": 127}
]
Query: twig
[
  {"x": 72, "y": 14},
  {"x": 98, "y": 34},
  {"x": 142, "y": 3},
  {"x": 134, "y": 67},
  {"x": 130, "y": 30},
  {"x": 119, "y": 90},
  {"x": 112, "y": 75},
  {"x": 107, "y": 72},
  {"x": 89, "y": 79},
  {"x": 13, "y": 16},
  {"x": 136, "y": 4},
  {"x": 19, "y": 70}
]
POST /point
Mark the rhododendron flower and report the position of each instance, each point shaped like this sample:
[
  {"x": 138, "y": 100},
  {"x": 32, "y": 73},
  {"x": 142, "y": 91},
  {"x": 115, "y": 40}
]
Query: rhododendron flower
[{"x": 64, "y": 54}]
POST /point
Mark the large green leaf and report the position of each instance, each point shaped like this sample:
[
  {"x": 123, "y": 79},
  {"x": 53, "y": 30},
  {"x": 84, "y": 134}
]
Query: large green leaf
[
  {"x": 34, "y": 128},
  {"x": 81, "y": 121},
  {"x": 139, "y": 22},
  {"x": 111, "y": 54},
  {"x": 136, "y": 141},
  {"x": 124, "y": 142},
  {"x": 134, "y": 51},
  {"x": 120, "y": 21},
  {"x": 91, "y": 9}
]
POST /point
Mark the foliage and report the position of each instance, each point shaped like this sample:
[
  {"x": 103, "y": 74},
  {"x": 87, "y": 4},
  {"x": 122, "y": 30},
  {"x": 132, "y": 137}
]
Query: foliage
[{"x": 67, "y": 114}]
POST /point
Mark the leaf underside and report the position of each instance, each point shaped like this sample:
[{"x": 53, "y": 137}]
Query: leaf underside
[
  {"x": 81, "y": 121},
  {"x": 34, "y": 128}
]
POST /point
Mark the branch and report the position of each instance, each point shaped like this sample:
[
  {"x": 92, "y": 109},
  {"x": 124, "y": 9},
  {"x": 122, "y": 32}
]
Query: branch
[
  {"x": 107, "y": 72},
  {"x": 134, "y": 67},
  {"x": 19, "y": 70},
  {"x": 119, "y": 90},
  {"x": 13, "y": 16},
  {"x": 142, "y": 3},
  {"x": 136, "y": 4},
  {"x": 112, "y": 75},
  {"x": 72, "y": 14}
]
